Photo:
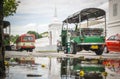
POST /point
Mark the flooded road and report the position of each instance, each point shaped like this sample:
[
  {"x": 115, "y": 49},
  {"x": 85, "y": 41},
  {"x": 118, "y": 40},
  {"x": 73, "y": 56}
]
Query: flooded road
[
  {"x": 61, "y": 66},
  {"x": 44, "y": 68}
]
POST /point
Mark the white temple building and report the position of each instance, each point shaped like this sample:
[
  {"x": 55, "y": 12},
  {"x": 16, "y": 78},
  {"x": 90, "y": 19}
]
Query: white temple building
[
  {"x": 114, "y": 17},
  {"x": 54, "y": 30}
]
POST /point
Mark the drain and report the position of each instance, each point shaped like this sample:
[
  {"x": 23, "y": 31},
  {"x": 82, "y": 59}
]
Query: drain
[{"x": 33, "y": 75}]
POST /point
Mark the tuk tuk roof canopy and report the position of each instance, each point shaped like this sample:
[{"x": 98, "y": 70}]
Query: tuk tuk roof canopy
[{"x": 85, "y": 14}]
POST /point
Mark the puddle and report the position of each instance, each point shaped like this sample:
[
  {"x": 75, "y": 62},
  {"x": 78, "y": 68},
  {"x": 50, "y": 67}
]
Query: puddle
[
  {"x": 58, "y": 68},
  {"x": 42, "y": 68}
]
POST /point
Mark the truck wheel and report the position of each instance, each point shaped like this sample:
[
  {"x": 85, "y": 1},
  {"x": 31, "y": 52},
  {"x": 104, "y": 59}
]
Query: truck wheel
[
  {"x": 21, "y": 50},
  {"x": 73, "y": 48},
  {"x": 99, "y": 52},
  {"x": 30, "y": 50},
  {"x": 87, "y": 48},
  {"x": 65, "y": 50},
  {"x": 57, "y": 50}
]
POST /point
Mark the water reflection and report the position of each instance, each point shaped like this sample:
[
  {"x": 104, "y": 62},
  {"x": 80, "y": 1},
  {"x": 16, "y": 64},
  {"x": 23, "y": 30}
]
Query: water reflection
[
  {"x": 77, "y": 68},
  {"x": 60, "y": 68},
  {"x": 44, "y": 68}
]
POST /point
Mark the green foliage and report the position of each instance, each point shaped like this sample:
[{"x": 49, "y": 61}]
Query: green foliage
[
  {"x": 44, "y": 34},
  {"x": 13, "y": 38},
  {"x": 35, "y": 33},
  {"x": 10, "y": 7},
  {"x": 40, "y": 36}
]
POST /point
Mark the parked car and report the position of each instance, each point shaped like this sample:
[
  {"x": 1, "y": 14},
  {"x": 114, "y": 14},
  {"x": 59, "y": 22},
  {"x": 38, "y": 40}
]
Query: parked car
[{"x": 113, "y": 44}]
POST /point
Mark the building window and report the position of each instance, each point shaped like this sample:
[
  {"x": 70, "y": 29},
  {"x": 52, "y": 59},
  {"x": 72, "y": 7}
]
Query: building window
[{"x": 115, "y": 6}]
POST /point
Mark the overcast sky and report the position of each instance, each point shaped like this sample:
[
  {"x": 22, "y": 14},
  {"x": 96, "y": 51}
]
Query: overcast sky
[{"x": 38, "y": 14}]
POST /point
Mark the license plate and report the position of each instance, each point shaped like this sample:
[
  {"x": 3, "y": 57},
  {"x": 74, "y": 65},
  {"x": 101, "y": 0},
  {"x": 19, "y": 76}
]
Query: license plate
[{"x": 94, "y": 47}]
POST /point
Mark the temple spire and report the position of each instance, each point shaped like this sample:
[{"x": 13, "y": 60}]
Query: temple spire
[
  {"x": 55, "y": 12},
  {"x": 55, "y": 18}
]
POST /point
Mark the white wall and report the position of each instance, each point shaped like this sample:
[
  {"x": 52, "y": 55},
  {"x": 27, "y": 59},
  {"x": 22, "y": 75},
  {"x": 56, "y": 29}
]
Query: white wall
[
  {"x": 55, "y": 29},
  {"x": 111, "y": 10},
  {"x": 114, "y": 20}
]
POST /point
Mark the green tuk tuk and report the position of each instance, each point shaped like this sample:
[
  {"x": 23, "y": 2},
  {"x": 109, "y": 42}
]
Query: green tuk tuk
[{"x": 75, "y": 37}]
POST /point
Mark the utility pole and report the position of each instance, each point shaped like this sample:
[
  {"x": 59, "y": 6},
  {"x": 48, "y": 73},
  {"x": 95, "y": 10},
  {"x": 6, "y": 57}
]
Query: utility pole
[{"x": 2, "y": 51}]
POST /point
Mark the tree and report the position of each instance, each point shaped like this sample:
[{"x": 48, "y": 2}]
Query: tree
[
  {"x": 7, "y": 8},
  {"x": 44, "y": 34},
  {"x": 10, "y": 7},
  {"x": 13, "y": 38},
  {"x": 2, "y": 68},
  {"x": 35, "y": 33}
]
